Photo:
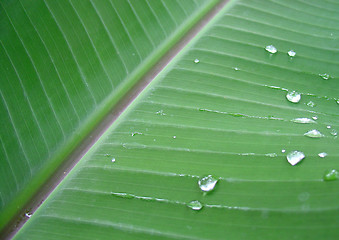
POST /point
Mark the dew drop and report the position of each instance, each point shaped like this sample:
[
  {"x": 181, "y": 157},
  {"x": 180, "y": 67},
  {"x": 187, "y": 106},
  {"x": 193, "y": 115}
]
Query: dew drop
[
  {"x": 315, "y": 118},
  {"x": 322, "y": 154},
  {"x": 295, "y": 157},
  {"x": 303, "y": 120},
  {"x": 314, "y": 134},
  {"x": 334, "y": 132},
  {"x": 113, "y": 160},
  {"x": 174, "y": 137},
  {"x": 28, "y": 214},
  {"x": 291, "y": 53},
  {"x": 207, "y": 183},
  {"x": 271, "y": 154},
  {"x": 236, "y": 69},
  {"x": 196, "y": 60},
  {"x": 325, "y": 76},
  {"x": 331, "y": 175},
  {"x": 283, "y": 150},
  {"x": 328, "y": 127},
  {"x": 311, "y": 104},
  {"x": 271, "y": 49},
  {"x": 337, "y": 101},
  {"x": 195, "y": 205},
  {"x": 160, "y": 112},
  {"x": 136, "y": 133},
  {"x": 293, "y": 96}
]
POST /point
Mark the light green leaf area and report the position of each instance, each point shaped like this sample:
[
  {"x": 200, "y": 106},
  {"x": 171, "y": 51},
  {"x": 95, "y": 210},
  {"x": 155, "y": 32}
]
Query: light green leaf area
[
  {"x": 63, "y": 65},
  {"x": 225, "y": 116}
]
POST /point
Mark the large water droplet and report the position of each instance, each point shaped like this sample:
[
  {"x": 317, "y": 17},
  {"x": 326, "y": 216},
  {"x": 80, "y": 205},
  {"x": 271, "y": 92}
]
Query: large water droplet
[
  {"x": 293, "y": 96},
  {"x": 314, "y": 134},
  {"x": 322, "y": 154},
  {"x": 311, "y": 104},
  {"x": 303, "y": 120},
  {"x": 331, "y": 175},
  {"x": 195, "y": 205},
  {"x": 207, "y": 183},
  {"x": 271, "y": 49},
  {"x": 295, "y": 157},
  {"x": 291, "y": 53},
  {"x": 325, "y": 76},
  {"x": 196, "y": 60}
]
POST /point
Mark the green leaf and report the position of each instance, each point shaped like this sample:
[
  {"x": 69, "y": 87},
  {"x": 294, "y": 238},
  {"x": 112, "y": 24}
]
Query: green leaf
[
  {"x": 228, "y": 116},
  {"x": 64, "y": 65}
]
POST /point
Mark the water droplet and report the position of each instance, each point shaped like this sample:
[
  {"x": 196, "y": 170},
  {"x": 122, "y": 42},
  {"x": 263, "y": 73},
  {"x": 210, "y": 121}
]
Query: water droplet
[
  {"x": 331, "y": 175},
  {"x": 337, "y": 101},
  {"x": 174, "y": 137},
  {"x": 322, "y": 154},
  {"x": 311, "y": 104},
  {"x": 207, "y": 183},
  {"x": 303, "y": 120},
  {"x": 136, "y": 133},
  {"x": 283, "y": 150},
  {"x": 271, "y": 49},
  {"x": 196, "y": 60},
  {"x": 236, "y": 69},
  {"x": 160, "y": 112},
  {"x": 314, "y": 134},
  {"x": 28, "y": 214},
  {"x": 293, "y": 96},
  {"x": 325, "y": 76},
  {"x": 295, "y": 157},
  {"x": 271, "y": 154},
  {"x": 328, "y": 127},
  {"x": 334, "y": 132},
  {"x": 303, "y": 196},
  {"x": 195, "y": 205},
  {"x": 315, "y": 118},
  {"x": 113, "y": 159},
  {"x": 291, "y": 53}
]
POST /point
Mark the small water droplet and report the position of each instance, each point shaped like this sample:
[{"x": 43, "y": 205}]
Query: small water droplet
[
  {"x": 283, "y": 150},
  {"x": 113, "y": 160},
  {"x": 291, "y": 53},
  {"x": 331, "y": 175},
  {"x": 311, "y": 104},
  {"x": 303, "y": 120},
  {"x": 271, "y": 154},
  {"x": 271, "y": 49},
  {"x": 337, "y": 101},
  {"x": 314, "y": 134},
  {"x": 236, "y": 69},
  {"x": 195, "y": 205},
  {"x": 328, "y": 127},
  {"x": 303, "y": 196},
  {"x": 28, "y": 214},
  {"x": 293, "y": 96},
  {"x": 160, "y": 112},
  {"x": 295, "y": 157},
  {"x": 136, "y": 133},
  {"x": 322, "y": 154},
  {"x": 196, "y": 60},
  {"x": 325, "y": 76},
  {"x": 207, "y": 183},
  {"x": 334, "y": 132},
  {"x": 315, "y": 118},
  {"x": 174, "y": 137}
]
